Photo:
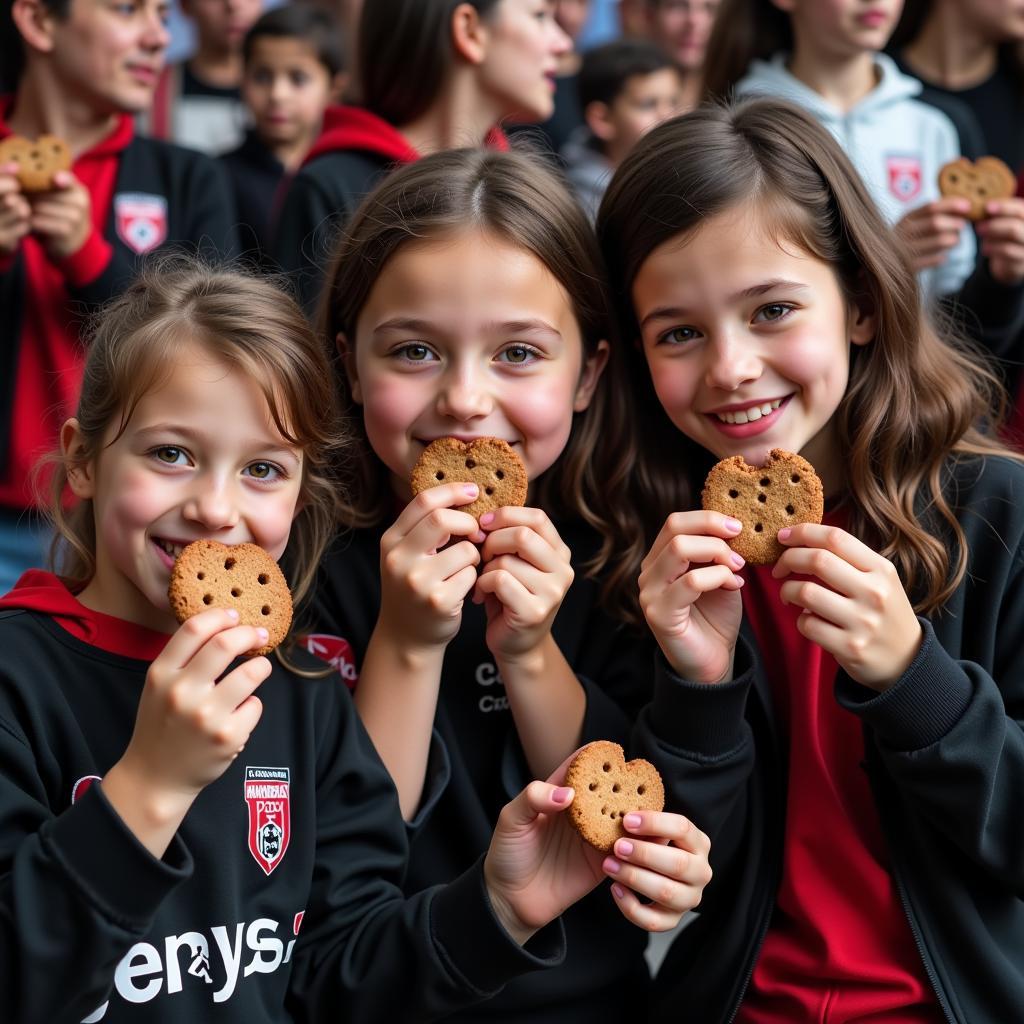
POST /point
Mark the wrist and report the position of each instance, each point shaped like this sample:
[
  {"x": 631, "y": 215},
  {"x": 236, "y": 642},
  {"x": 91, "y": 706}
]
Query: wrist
[
  {"x": 532, "y": 663},
  {"x": 412, "y": 656},
  {"x": 517, "y": 930}
]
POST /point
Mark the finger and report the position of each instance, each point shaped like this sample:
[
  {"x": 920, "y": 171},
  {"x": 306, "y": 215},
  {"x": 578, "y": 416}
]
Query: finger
[
  {"x": 449, "y": 596},
  {"x": 537, "y": 798},
  {"x": 663, "y": 890},
  {"x": 689, "y": 587},
  {"x": 683, "y": 550},
  {"x": 442, "y": 496},
  {"x": 9, "y": 184},
  {"x": 212, "y": 659},
  {"x": 511, "y": 592},
  {"x": 845, "y": 545},
  {"x": 1012, "y": 208},
  {"x": 661, "y": 859},
  {"x": 524, "y": 515},
  {"x": 438, "y": 527},
  {"x": 1001, "y": 229},
  {"x": 696, "y": 523},
  {"x": 525, "y": 542},
  {"x": 429, "y": 570},
  {"x": 194, "y": 633},
  {"x": 676, "y": 828},
  {"x": 826, "y": 635},
  {"x": 241, "y": 683},
  {"x": 932, "y": 245},
  {"x": 822, "y": 564},
  {"x": 951, "y": 205},
  {"x": 651, "y": 917},
  {"x": 826, "y": 604}
]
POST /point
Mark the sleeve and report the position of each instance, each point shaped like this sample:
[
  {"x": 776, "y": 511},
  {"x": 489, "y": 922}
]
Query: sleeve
[
  {"x": 366, "y": 947},
  {"x": 77, "y": 890},
  {"x": 990, "y": 313}
]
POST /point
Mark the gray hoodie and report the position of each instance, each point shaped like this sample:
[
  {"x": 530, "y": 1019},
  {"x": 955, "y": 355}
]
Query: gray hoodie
[{"x": 895, "y": 141}]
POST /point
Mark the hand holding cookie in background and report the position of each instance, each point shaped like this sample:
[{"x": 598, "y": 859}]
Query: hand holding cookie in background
[{"x": 15, "y": 211}]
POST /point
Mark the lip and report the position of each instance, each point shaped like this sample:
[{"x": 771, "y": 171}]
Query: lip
[
  {"x": 142, "y": 73},
  {"x": 872, "y": 19},
  {"x": 742, "y": 406},
  {"x": 752, "y": 429},
  {"x": 464, "y": 438}
]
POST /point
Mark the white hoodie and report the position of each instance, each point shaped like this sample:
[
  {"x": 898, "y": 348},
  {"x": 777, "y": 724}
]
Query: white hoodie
[{"x": 896, "y": 142}]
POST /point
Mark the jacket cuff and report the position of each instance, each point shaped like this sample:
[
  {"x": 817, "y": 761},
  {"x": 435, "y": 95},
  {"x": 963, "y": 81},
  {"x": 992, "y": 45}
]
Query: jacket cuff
[
  {"x": 439, "y": 772},
  {"x": 109, "y": 865},
  {"x": 921, "y": 707},
  {"x": 83, "y": 267},
  {"x": 474, "y": 945}
]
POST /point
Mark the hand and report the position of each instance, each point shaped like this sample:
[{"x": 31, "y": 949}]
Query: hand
[
  {"x": 862, "y": 615},
  {"x": 524, "y": 577},
  {"x": 932, "y": 230},
  {"x": 15, "y": 212},
  {"x": 1002, "y": 240},
  {"x": 694, "y": 613},
  {"x": 62, "y": 217},
  {"x": 423, "y": 583}
]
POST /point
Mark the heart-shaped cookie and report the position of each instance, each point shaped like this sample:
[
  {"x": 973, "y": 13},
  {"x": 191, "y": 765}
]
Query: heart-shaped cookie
[
  {"x": 208, "y": 574},
  {"x": 608, "y": 788},
  {"x": 988, "y": 178},
  {"x": 488, "y": 462},
  {"x": 784, "y": 491},
  {"x": 37, "y": 161}
]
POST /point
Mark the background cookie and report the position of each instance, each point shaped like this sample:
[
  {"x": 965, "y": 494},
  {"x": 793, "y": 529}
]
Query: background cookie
[
  {"x": 208, "y": 574},
  {"x": 607, "y": 788},
  {"x": 784, "y": 491},
  {"x": 979, "y": 182},
  {"x": 37, "y": 161},
  {"x": 488, "y": 462}
]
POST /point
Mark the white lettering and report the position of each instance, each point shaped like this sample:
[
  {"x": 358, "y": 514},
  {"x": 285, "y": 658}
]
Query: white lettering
[
  {"x": 199, "y": 958},
  {"x": 258, "y": 945},
  {"x": 232, "y": 958},
  {"x": 127, "y": 971},
  {"x": 487, "y": 674},
  {"x": 96, "y": 1015},
  {"x": 488, "y": 703}
]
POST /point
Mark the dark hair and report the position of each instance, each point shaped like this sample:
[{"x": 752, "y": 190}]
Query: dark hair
[
  {"x": 605, "y": 70},
  {"x": 12, "y": 46},
  {"x": 524, "y": 202},
  {"x": 744, "y": 31},
  {"x": 404, "y": 52},
  {"x": 308, "y": 24},
  {"x": 914, "y": 397}
]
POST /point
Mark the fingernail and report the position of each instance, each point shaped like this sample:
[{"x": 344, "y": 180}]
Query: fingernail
[
  {"x": 738, "y": 579},
  {"x": 562, "y": 795},
  {"x": 785, "y": 532},
  {"x": 733, "y": 524},
  {"x": 738, "y": 561},
  {"x": 487, "y": 518},
  {"x": 623, "y": 847},
  {"x": 611, "y": 865},
  {"x": 619, "y": 891},
  {"x": 262, "y": 634},
  {"x": 632, "y": 821},
  {"x": 233, "y": 614},
  {"x": 470, "y": 489}
]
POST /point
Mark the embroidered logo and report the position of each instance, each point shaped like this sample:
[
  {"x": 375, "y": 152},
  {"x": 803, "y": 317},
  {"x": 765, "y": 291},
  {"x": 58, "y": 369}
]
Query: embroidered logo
[
  {"x": 140, "y": 220},
  {"x": 904, "y": 176},
  {"x": 337, "y": 652},
  {"x": 267, "y": 797},
  {"x": 78, "y": 790}
]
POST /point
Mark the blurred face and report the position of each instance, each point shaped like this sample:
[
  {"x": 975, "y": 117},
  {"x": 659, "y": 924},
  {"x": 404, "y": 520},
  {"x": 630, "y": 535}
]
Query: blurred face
[
  {"x": 999, "y": 21},
  {"x": 468, "y": 337},
  {"x": 571, "y": 16},
  {"x": 747, "y": 339},
  {"x": 844, "y": 27},
  {"x": 645, "y": 101},
  {"x": 524, "y": 44},
  {"x": 682, "y": 28},
  {"x": 222, "y": 24},
  {"x": 286, "y": 88},
  {"x": 200, "y": 459},
  {"x": 110, "y": 52}
]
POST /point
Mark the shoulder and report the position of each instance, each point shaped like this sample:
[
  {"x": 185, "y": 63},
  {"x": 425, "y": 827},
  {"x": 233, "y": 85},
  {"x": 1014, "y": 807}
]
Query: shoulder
[
  {"x": 343, "y": 172},
  {"x": 987, "y": 494}
]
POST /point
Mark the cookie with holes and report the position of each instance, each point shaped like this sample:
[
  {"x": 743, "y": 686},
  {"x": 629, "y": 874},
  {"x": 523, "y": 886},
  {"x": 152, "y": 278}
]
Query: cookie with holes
[
  {"x": 488, "y": 462},
  {"x": 608, "y": 788},
  {"x": 208, "y": 574},
  {"x": 37, "y": 161},
  {"x": 987, "y": 178},
  {"x": 784, "y": 491}
]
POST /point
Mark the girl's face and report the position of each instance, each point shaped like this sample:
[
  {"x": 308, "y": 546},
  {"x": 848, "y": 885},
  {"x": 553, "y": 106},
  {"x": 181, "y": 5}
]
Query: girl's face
[
  {"x": 843, "y": 27},
  {"x": 468, "y": 336},
  {"x": 524, "y": 45},
  {"x": 747, "y": 339},
  {"x": 998, "y": 21},
  {"x": 200, "y": 459}
]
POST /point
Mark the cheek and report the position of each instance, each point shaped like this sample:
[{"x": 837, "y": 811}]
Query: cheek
[
  {"x": 674, "y": 386},
  {"x": 542, "y": 414},
  {"x": 390, "y": 406}
]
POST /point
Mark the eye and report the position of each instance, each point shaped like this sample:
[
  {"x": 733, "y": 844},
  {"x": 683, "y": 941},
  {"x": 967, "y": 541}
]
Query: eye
[
  {"x": 264, "y": 471},
  {"x": 679, "y": 336},
  {"x": 774, "y": 311},
  {"x": 169, "y": 455},
  {"x": 299, "y": 79},
  {"x": 518, "y": 355},
  {"x": 414, "y": 352}
]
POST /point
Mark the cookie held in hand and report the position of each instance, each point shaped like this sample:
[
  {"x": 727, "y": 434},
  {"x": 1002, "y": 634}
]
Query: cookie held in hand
[
  {"x": 208, "y": 574},
  {"x": 784, "y": 491},
  {"x": 37, "y": 161},
  {"x": 988, "y": 178},
  {"x": 488, "y": 462},
  {"x": 608, "y": 788}
]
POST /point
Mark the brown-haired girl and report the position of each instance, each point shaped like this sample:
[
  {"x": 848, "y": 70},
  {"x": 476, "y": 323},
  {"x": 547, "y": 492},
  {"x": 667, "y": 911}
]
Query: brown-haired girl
[
  {"x": 169, "y": 841},
  {"x": 467, "y": 301},
  {"x": 845, "y": 724}
]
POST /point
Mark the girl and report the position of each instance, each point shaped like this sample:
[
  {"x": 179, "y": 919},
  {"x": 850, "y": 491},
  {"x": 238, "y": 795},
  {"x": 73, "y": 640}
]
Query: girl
[
  {"x": 846, "y": 724},
  {"x": 432, "y": 75},
  {"x": 144, "y": 863},
  {"x": 467, "y": 301}
]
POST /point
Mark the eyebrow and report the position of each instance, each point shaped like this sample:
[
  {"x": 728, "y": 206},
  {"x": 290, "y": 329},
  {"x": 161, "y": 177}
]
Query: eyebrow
[
  {"x": 528, "y": 326},
  {"x": 180, "y": 430},
  {"x": 677, "y": 312}
]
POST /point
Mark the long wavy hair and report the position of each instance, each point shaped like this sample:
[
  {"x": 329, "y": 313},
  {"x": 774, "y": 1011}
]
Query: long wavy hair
[
  {"x": 917, "y": 398},
  {"x": 520, "y": 200}
]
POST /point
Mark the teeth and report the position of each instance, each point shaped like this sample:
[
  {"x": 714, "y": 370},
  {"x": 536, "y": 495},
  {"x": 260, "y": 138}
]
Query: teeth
[
  {"x": 172, "y": 549},
  {"x": 754, "y": 413}
]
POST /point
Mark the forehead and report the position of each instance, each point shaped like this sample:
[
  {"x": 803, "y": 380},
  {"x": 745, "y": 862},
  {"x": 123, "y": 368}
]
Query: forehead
[
  {"x": 660, "y": 82},
  {"x": 282, "y": 50}
]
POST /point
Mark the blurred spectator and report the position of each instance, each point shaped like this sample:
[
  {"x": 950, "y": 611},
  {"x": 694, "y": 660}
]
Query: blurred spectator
[
  {"x": 683, "y": 28},
  {"x": 633, "y": 20}
]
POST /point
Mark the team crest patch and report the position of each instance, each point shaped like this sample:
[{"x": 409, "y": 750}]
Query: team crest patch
[
  {"x": 904, "y": 177},
  {"x": 79, "y": 789},
  {"x": 337, "y": 652},
  {"x": 267, "y": 797},
  {"x": 140, "y": 220}
]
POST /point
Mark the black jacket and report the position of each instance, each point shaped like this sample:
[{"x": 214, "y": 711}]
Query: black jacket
[
  {"x": 945, "y": 758},
  {"x": 476, "y": 762}
]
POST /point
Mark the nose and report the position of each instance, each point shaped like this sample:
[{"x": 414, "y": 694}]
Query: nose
[
  {"x": 561, "y": 43},
  {"x": 156, "y": 37},
  {"x": 212, "y": 504},
  {"x": 463, "y": 396},
  {"x": 278, "y": 88},
  {"x": 730, "y": 363}
]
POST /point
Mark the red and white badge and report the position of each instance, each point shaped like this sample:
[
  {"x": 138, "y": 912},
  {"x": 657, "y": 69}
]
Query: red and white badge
[
  {"x": 336, "y": 651},
  {"x": 140, "y": 220},
  {"x": 904, "y": 177},
  {"x": 270, "y": 826},
  {"x": 81, "y": 787}
]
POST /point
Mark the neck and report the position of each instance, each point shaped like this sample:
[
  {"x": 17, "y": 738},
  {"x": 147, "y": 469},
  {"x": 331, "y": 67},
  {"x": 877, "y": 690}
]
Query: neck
[
  {"x": 42, "y": 107},
  {"x": 950, "y": 52},
  {"x": 293, "y": 153},
  {"x": 219, "y": 68},
  {"x": 460, "y": 116},
  {"x": 843, "y": 81}
]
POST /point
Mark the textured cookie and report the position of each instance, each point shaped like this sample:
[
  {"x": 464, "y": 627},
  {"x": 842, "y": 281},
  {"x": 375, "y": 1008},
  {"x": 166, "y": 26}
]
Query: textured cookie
[
  {"x": 988, "y": 178},
  {"x": 488, "y": 462},
  {"x": 607, "y": 788},
  {"x": 37, "y": 161},
  {"x": 208, "y": 574},
  {"x": 783, "y": 492}
]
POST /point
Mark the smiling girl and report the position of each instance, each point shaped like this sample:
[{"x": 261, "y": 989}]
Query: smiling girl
[{"x": 846, "y": 724}]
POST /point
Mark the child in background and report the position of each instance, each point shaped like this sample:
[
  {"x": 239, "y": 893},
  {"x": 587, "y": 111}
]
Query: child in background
[
  {"x": 293, "y": 59},
  {"x": 130, "y": 841},
  {"x": 625, "y": 88},
  {"x": 198, "y": 103},
  {"x": 467, "y": 301},
  {"x": 682, "y": 29},
  {"x": 845, "y": 724}
]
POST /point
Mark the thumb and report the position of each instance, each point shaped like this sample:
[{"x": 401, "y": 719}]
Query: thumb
[{"x": 538, "y": 798}]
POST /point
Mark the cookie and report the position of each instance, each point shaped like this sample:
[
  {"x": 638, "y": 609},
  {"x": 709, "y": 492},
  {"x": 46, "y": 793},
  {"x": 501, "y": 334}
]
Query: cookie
[
  {"x": 208, "y": 574},
  {"x": 987, "y": 179},
  {"x": 783, "y": 492},
  {"x": 37, "y": 161},
  {"x": 607, "y": 788},
  {"x": 488, "y": 462}
]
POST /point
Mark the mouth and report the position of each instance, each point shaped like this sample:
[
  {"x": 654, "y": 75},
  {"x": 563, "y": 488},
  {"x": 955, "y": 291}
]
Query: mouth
[
  {"x": 749, "y": 413},
  {"x": 464, "y": 438}
]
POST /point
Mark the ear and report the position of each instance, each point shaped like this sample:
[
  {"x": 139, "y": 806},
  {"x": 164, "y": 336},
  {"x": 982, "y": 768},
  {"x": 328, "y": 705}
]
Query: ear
[
  {"x": 348, "y": 361},
  {"x": 81, "y": 478},
  {"x": 596, "y": 115},
  {"x": 593, "y": 367},
  {"x": 863, "y": 322},
  {"x": 469, "y": 34},
  {"x": 336, "y": 92},
  {"x": 35, "y": 21}
]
